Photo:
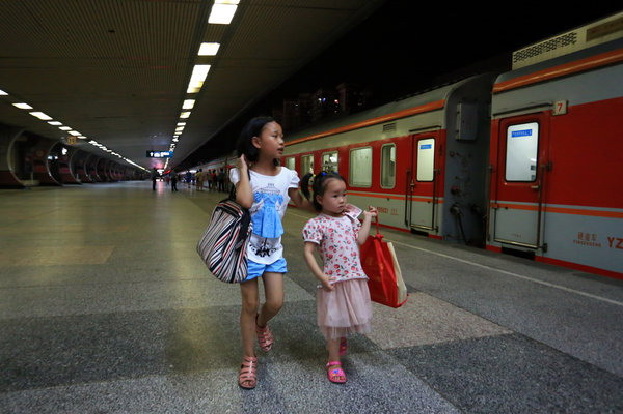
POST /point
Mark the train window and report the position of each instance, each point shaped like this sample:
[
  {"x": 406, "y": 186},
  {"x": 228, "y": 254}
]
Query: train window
[
  {"x": 291, "y": 163},
  {"x": 522, "y": 144},
  {"x": 361, "y": 167},
  {"x": 425, "y": 170},
  {"x": 307, "y": 164},
  {"x": 388, "y": 166},
  {"x": 329, "y": 162}
]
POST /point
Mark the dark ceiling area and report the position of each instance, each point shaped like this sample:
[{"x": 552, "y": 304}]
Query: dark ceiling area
[
  {"x": 404, "y": 48},
  {"x": 116, "y": 72},
  {"x": 126, "y": 77}
]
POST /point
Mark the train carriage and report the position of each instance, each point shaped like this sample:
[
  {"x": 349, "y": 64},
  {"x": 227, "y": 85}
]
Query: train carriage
[
  {"x": 421, "y": 160},
  {"x": 556, "y": 157},
  {"x": 525, "y": 161}
]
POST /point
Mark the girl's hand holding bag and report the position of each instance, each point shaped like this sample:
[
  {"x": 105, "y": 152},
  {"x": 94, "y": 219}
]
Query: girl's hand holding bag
[
  {"x": 223, "y": 245},
  {"x": 379, "y": 262}
]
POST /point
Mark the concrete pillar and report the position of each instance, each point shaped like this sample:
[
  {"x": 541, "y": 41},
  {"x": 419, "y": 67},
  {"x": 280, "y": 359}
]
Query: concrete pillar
[{"x": 8, "y": 178}]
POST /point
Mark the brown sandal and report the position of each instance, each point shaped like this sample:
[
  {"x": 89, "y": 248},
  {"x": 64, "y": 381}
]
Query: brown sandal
[
  {"x": 246, "y": 378},
  {"x": 264, "y": 336}
]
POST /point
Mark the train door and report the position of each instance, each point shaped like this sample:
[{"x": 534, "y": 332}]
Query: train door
[
  {"x": 423, "y": 184},
  {"x": 518, "y": 181}
]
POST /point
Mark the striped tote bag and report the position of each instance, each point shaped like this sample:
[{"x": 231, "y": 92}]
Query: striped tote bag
[{"x": 223, "y": 245}]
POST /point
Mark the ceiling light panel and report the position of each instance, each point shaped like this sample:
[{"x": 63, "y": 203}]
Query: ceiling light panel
[
  {"x": 198, "y": 77},
  {"x": 223, "y": 11},
  {"x": 21, "y": 105},
  {"x": 41, "y": 116},
  {"x": 208, "y": 49}
]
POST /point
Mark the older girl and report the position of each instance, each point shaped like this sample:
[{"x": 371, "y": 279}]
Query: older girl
[{"x": 264, "y": 187}]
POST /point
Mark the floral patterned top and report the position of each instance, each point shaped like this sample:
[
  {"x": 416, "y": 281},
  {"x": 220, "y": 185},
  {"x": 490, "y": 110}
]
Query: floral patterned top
[{"x": 337, "y": 238}]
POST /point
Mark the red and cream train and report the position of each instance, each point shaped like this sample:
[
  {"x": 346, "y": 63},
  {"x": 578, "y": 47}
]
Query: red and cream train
[{"x": 528, "y": 161}]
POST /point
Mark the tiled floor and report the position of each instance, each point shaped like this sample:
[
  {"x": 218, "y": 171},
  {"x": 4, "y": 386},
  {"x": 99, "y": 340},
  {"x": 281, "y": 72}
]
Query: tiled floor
[{"x": 106, "y": 308}]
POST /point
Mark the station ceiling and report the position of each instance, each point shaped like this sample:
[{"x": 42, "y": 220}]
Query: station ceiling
[{"x": 117, "y": 71}]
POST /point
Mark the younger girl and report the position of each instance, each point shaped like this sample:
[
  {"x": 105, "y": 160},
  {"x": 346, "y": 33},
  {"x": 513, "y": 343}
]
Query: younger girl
[
  {"x": 343, "y": 303},
  {"x": 265, "y": 188}
]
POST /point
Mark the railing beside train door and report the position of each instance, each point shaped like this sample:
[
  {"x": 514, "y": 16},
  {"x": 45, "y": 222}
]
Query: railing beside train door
[
  {"x": 434, "y": 227},
  {"x": 409, "y": 203},
  {"x": 545, "y": 167},
  {"x": 434, "y": 201},
  {"x": 408, "y": 191}
]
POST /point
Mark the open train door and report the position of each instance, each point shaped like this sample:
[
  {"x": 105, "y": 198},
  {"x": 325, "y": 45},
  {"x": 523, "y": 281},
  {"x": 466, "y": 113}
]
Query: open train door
[
  {"x": 520, "y": 163},
  {"x": 424, "y": 183}
]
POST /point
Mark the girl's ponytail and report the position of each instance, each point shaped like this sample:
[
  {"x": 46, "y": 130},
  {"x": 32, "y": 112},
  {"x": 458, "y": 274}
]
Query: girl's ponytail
[{"x": 305, "y": 185}]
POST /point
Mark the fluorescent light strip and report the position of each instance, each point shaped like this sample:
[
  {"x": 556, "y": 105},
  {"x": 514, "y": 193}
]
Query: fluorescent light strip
[
  {"x": 223, "y": 11},
  {"x": 3, "y": 92},
  {"x": 199, "y": 75},
  {"x": 208, "y": 49},
  {"x": 41, "y": 116},
  {"x": 21, "y": 105}
]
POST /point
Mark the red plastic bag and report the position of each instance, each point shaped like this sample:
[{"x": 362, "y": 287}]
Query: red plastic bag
[{"x": 379, "y": 262}]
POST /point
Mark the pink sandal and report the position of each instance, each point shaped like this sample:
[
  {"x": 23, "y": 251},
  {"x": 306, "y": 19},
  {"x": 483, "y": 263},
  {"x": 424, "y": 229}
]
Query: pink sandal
[
  {"x": 343, "y": 346},
  {"x": 335, "y": 373},
  {"x": 264, "y": 336},
  {"x": 246, "y": 378}
]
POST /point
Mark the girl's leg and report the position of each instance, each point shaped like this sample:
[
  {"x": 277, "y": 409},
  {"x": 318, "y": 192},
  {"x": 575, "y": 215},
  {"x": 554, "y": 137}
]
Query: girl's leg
[
  {"x": 333, "y": 346},
  {"x": 250, "y": 304},
  {"x": 273, "y": 288},
  {"x": 343, "y": 346}
]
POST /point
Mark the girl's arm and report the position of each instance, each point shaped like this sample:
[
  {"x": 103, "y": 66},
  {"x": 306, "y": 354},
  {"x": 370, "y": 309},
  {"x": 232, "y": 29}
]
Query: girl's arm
[
  {"x": 364, "y": 231},
  {"x": 244, "y": 195},
  {"x": 301, "y": 201},
  {"x": 310, "y": 259}
]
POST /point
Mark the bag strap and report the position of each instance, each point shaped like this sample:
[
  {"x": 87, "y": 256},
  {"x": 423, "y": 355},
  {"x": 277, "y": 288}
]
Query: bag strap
[
  {"x": 376, "y": 222},
  {"x": 232, "y": 192}
]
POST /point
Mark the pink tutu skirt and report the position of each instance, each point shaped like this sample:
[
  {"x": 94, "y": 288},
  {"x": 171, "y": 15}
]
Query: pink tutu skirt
[{"x": 345, "y": 310}]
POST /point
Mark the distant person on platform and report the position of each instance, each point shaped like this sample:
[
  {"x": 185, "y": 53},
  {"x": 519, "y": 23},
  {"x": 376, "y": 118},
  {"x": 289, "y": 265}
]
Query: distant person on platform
[
  {"x": 199, "y": 179},
  {"x": 189, "y": 179},
  {"x": 173, "y": 177},
  {"x": 221, "y": 180},
  {"x": 154, "y": 177}
]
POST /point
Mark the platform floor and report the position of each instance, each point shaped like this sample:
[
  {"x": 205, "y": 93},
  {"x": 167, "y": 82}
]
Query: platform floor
[{"x": 106, "y": 308}]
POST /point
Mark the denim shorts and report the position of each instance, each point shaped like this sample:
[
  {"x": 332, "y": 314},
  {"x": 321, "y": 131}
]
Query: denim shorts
[{"x": 258, "y": 269}]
